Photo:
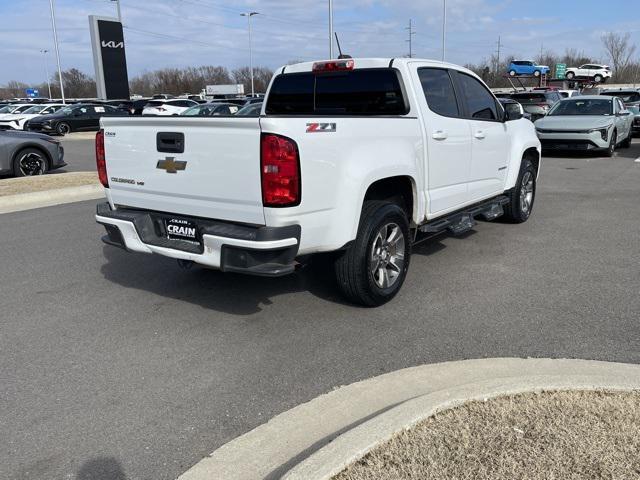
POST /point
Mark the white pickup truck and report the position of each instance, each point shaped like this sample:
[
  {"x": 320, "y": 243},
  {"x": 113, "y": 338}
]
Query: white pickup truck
[{"x": 360, "y": 157}]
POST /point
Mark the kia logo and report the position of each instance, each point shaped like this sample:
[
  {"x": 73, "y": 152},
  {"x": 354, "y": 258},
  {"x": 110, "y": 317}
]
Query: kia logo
[{"x": 112, "y": 44}]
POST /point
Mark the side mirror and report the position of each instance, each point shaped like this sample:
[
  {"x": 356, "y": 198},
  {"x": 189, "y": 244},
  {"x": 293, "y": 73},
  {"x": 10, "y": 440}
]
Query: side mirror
[{"x": 513, "y": 111}]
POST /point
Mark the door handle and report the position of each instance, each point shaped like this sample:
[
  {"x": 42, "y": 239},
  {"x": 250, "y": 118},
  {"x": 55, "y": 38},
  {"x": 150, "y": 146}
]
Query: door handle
[
  {"x": 439, "y": 135},
  {"x": 479, "y": 135}
]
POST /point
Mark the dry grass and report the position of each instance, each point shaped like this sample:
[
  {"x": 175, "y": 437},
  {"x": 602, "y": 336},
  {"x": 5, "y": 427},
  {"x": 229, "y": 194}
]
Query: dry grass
[
  {"x": 13, "y": 186},
  {"x": 550, "y": 436}
]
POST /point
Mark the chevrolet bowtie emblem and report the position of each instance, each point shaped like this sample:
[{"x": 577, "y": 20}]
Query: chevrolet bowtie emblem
[{"x": 170, "y": 165}]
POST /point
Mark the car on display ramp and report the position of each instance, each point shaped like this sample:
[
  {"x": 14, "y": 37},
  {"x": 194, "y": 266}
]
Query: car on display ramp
[{"x": 527, "y": 67}]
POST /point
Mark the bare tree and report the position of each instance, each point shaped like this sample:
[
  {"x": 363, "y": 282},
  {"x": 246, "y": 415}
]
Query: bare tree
[
  {"x": 261, "y": 78},
  {"x": 620, "y": 50}
]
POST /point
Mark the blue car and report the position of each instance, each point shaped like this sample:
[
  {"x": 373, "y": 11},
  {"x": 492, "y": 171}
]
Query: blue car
[{"x": 525, "y": 67}]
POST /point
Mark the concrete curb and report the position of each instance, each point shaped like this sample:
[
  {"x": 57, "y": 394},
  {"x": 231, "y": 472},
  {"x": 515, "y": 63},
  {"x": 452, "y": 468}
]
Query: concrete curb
[
  {"x": 47, "y": 198},
  {"x": 356, "y": 443},
  {"x": 294, "y": 440}
]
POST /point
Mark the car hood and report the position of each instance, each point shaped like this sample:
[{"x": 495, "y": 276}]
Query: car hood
[
  {"x": 44, "y": 118},
  {"x": 19, "y": 134},
  {"x": 574, "y": 122}
]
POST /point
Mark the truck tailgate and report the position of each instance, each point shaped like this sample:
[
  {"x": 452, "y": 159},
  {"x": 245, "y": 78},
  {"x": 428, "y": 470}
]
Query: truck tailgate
[{"x": 216, "y": 176}]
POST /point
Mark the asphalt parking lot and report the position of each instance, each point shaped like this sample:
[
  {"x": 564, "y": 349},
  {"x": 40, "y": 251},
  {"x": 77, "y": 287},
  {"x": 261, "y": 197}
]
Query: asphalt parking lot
[{"x": 113, "y": 362}]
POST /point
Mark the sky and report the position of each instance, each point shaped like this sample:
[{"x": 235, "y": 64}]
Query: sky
[{"x": 176, "y": 33}]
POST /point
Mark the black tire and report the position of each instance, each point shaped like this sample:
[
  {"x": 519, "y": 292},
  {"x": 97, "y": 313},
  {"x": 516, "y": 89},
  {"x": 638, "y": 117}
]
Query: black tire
[
  {"x": 512, "y": 73},
  {"x": 357, "y": 276},
  {"x": 613, "y": 142},
  {"x": 518, "y": 211},
  {"x": 597, "y": 79},
  {"x": 626, "y": 143},
  {"x": 30, "y": 162},
  {"x": 570, "y": 75},
  {"x": 63, "y": 128},
  {"x": 536, "y": 73}
]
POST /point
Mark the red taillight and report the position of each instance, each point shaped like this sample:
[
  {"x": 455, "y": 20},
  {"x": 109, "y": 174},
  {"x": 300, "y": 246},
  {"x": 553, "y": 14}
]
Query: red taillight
[
  {"x": 100, "y": 159},
  {"x": 333, "y": 66},
  {"x": 280, "y": 171}
]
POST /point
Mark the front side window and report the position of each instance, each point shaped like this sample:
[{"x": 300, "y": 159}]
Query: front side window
[
  {"x": 481, "y": 104},
  {"x": 439, "y": 92}
]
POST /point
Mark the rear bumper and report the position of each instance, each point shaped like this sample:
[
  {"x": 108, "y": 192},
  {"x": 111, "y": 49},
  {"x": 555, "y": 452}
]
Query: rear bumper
[{"x": 266, "y": 251}]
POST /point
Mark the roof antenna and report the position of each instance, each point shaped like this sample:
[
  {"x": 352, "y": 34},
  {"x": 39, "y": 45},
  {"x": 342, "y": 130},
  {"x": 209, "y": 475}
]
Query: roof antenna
[{"x": 340, "y": 49}]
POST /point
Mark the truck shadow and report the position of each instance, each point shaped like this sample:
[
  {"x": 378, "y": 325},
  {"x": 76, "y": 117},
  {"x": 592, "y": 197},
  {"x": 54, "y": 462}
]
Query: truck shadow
[{"x": 229, "y": 292}]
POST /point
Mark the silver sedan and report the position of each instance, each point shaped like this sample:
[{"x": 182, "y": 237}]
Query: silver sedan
[{"x": 25, "y": 154}]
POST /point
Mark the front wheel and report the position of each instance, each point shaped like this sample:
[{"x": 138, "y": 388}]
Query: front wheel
[
  {"x": 597, "y": 78},
  {"x": 372, "y": 270},
  {"x": 63, "y": 128},
  {"x": 512, "y": 73},
  {"x": 29, "y": 162},
  {"x": 626, "y": 143},
  {"x": 613, "y": 142},
  {"x": 570, "y": 75},
  {"x": 523, "y": 195},
  {"x": 536, "y": 73}
]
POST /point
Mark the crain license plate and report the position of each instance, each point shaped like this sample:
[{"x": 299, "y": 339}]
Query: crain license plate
[{"x": 180, "y": 229}]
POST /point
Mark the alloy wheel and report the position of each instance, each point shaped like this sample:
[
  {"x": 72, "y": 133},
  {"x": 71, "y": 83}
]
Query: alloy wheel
[
  {"x": 526, "y": 193},
  {"x": 31, "y": 164},
  {"x": 387, "y": 255}
]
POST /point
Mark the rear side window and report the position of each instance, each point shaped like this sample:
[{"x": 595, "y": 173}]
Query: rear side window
[
  {"x": 438, "y": 90},
  {"x": 480, "y": 102},
  {"x": 358, "y": 92}
]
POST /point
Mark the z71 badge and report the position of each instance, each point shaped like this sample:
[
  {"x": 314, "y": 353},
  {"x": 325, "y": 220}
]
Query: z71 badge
[{"x": 321, "y": 127}]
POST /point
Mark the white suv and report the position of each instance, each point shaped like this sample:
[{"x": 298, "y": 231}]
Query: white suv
[{"x": 597, "y": 73}]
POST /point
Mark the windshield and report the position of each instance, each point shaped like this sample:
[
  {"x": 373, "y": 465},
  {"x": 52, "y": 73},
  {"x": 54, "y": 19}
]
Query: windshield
[
  {"x": 583, "y": 107},
  {"x": 66, "y": 111},
  {"x": 626, "y": 97},
  {"x": 634, "y": 109},
  {"x": 35, "y": 109},
  {"x": 198, "y": 111}
]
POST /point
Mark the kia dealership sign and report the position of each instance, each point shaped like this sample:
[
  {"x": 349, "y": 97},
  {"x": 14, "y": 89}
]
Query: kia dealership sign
[{"x": 109, "y": 59}]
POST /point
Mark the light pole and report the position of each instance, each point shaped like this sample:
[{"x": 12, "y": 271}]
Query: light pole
[
  {"x": 46, "y": 69},
  {"x": 55, "y": 41},
  {"x": 330, "y": 29},
  {"x": 249, "y": 15},
  {"x": 444, "y": 28},
  {"x": 119, "y": 14}
]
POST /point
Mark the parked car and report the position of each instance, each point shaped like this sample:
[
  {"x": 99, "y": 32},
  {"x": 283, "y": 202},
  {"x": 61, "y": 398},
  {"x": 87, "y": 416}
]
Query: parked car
[
  {"x": 513, "y": 108},
  {"x": 168, "y": 107},
  {"x": 25, "y": 154},
  {"x": 211, "y": 109},
  {"x": 526, "y": 67},
  {"x": 629, "y": 97},
  {"x": 162, "y": 96},
  {"x": 73, "y": 118},
  {"x": 17, "y": 121},
  {"x": 594, "y": 122},
  {"x": 353, "y": 163},
  {"x": 6, "y": 113},
  {"x": 591, "y": 71},
  {"x": 635, "y": 111},
  {"x": 569, "y": 93},
  {"x": 537, "y": 104},
  {"x": 251, "y": 110}
]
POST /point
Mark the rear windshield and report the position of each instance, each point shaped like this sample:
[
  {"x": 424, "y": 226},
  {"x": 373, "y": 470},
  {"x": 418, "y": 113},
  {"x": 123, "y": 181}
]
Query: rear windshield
[
  {"x": 625, "y": 96},
  {"x": 529, "y": 97},
  {"x": 357, "y": 92}
]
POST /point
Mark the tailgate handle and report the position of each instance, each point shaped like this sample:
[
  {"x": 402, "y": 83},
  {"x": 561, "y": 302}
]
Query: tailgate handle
[{"x": 170, "y": 142}]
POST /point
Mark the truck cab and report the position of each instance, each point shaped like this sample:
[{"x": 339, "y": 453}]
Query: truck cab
[{"x": 352, "y": 156}]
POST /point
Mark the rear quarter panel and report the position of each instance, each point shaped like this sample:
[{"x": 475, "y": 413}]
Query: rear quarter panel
[{"x": 337, "y": 167}]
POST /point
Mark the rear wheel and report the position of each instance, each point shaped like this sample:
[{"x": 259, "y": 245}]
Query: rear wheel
[
  {"x": 522, "y": 196},
  {"x": 372, "y": 270},
  {"x": 29, "y": 162}
]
